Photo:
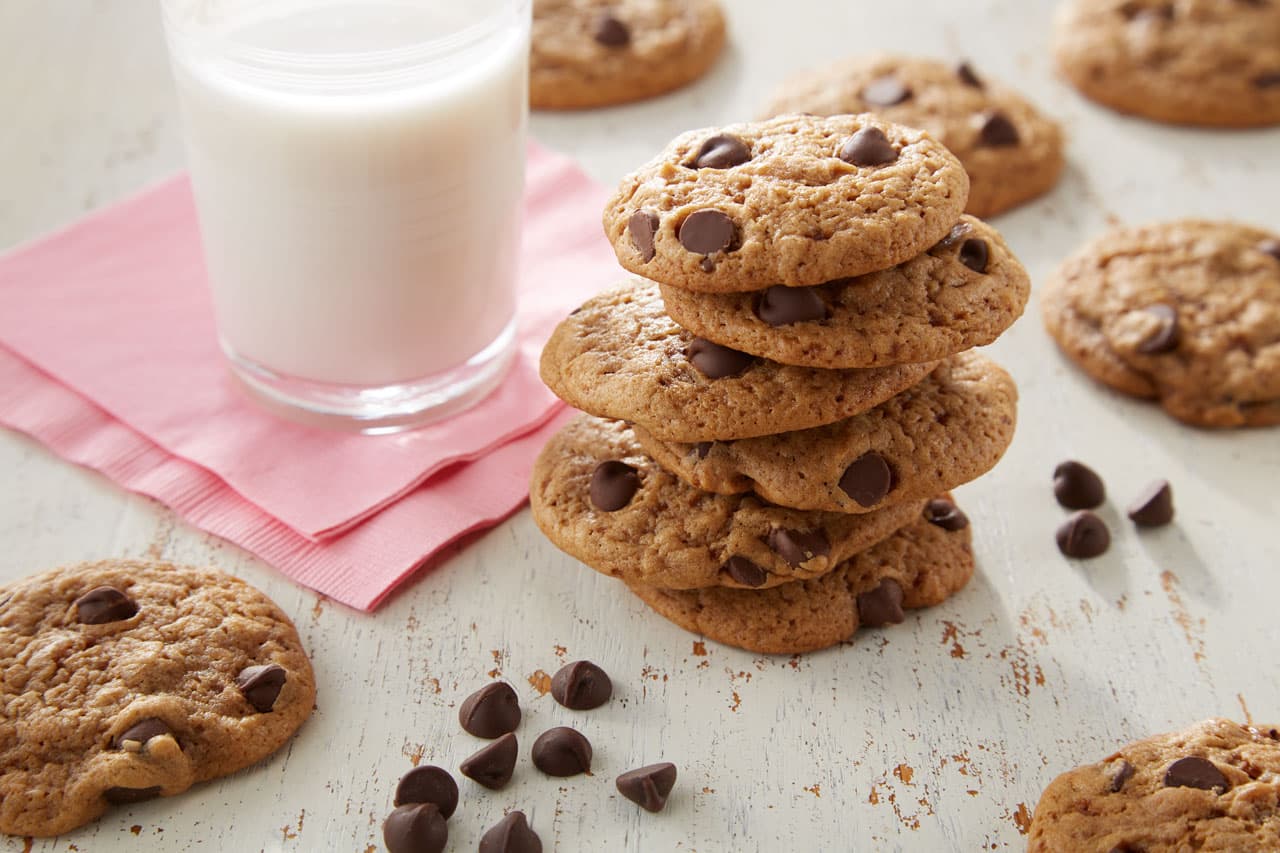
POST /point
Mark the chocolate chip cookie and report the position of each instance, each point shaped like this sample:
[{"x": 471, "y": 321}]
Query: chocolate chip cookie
[
  {"x": 1011, "y": 151},
  {"x": 794, "y": 200},
  {"x": 1198, "y": 62},
  {"x": 594, "y": 53},
  {"x": 621, "y": 356},
  {"x": 126, "y": 680},
  {"x": 1185, "y": 312},
  {"x": 963, "y": 292},
  {"x": 919, "y": 566},
  {"x": 600, "y": 499},
  {"x": 1213, "y": 786}
]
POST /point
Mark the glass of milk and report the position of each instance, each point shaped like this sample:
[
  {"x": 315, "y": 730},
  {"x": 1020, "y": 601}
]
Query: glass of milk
[{"x": 358, "y": 168}]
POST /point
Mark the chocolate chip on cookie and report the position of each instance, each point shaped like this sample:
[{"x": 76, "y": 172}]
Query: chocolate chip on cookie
[
  {"x": 135, "y": 738},
  {"x": 1195, "y": 772},
  {"x": 1153, "y": 507},
  {"x": 799, "y": 546},
  {"x": 1083, "y": 535},
  {"x": 715, "y": 361},
  {"x": 562, "y": 751},
  {"x": 975, "y": 254},
  {"x": 995, "y": 130},
  {"x": 1270, "y": 247},
  {"x": 609, "y": 31},
  {"x": 491, "y": 711},
  {"x": 945, "y": 514},
  {"x": 648, "y": 787},
  {"x": 581, "y": 686},
  {"x": 705, "y": 232},
  {"x": 642, "y": 226},
  {"x": 261, "y": 685},
  {"x": 745, "y": 572},
  {"x": 1122, "y": 773},
  {"x": 881, "y": 606},
  {"x": 885, "y": 92},
  {"x": 867, "y": 479},
  {"x": 868, "y": 147},
  {"x": 428, "y": 784},
  {"x": 968, "y": 76},
  {"x": 1077, "y": 486},
  {"x": 104, "y": 604},
  {"x": 722, "y": 151},
  {"x": 613, "y": 485},
  {"x": 493, "y": 765},
  {"x": 1165, "y": 333},
  {"x": 782, "y": 306}
]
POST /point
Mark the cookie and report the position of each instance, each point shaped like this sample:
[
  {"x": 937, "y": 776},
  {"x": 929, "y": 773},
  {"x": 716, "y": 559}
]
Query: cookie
[
  {"x": 1011, "y": 151},
  {"x": 130, "y": 679},
  {"x": 1213, "y": 786},
  {"x": 794, "y": 200},
  {"x": 919, "y": 566},
  {"x": 597, "y": 496},
  {"x": 963, "y": 292},
  {"x": 621, "y": 356},
  {"x": 1214, "y": 63},
  {"x": 595, "y": 53},
  {"x": 1185, "y": 312},
  {"x": 951, "y": 428}
]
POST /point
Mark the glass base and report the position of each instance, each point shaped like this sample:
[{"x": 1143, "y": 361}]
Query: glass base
[{"x": 379, "y": 410}]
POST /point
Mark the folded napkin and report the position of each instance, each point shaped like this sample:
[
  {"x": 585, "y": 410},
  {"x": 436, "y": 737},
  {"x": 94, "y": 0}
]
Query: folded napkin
[{"x": 108, "y": 356}]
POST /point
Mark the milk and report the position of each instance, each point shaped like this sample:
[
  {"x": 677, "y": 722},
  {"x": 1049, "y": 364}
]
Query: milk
[{"x": 360, "y": 227}]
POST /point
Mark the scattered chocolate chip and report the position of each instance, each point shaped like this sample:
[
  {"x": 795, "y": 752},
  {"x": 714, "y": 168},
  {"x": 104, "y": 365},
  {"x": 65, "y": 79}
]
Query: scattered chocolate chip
[
  {"x": 945, "y": 514},
  {"x": 104, "y": 604},
  {"x": 1270, "y": 247},
  {"x": 1195, "y": 772},
  {"x": 745, "y": 572},
  {"x": 882, "y": 605},
  {"x": 1267, "y": 80},
  {"x": 134, "y": 738},
  {"x": 885, "y": 91},
  {"x": 642, "y": 226},
  {"x": 1154, "y": 505},
  {"x": 609, "y": 31},
  {"x": 782, "y": 306},
  {"x": 1166, "y": 334},
  {"x": 491, "y": 711},
  {"x": 512, "y": 834},
  {"x": 975, "y": 254},
  {"x": 493, "y": 765},
  {"x": 1083, "y": 535},
  {"x": 1122, "y": 774},
  {"x": 648, "y": 787},
  {"x": 613, "y": 485},
  {"x": 798, "y": 546},
  {"x": 125, "y": 796},
  {"x": 995, "y": 130},
  {"x": 1077, "y": 486},
  {"x": 867, "y": 479},
  {"x": 868, "y": 147},
  {"x": 562, "y": 751},
  {"x": 722, "y": 151},
  {"x": 261, "y": 685},
  {"x": 706, "y": 231},
  {"x": 702, "y": 448},
  {"x": 716, "y": 362},
  {"x": 428, "y": 784},
  {"x": 581, "y": 686},
  {"x": 967, "y": 76},
  {"x": 415, "y": 828}
]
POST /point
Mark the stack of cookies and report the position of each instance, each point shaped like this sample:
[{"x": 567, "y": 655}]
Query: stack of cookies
[{"x": 778, "y": 408}]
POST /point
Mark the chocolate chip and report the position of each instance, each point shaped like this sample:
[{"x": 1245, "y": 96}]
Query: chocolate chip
[
  {"x": 581, "y": 686},
  {"x": 967, "y": 76},
  {"x": 415, "y": 828},
  {"x": 707, "y": 265},
  {"x": 104, "y": 604},
  {"x": 722, "y": 151},
  {"x": 1138, "y": 11},
  {"x": 642, "y": 226},
  {"x": 868, "y": 147},
  {"x": 648, "y": 787},
  {"x": 493, "y": 765},
  {"x": 885, "y": 91},
  {"x": 706, "y": 231},
  {"x": 867, "y": 479},
  {"x": 1154, "y": 505},
  {"x": 798, "y": 546},
  {"x": 562, "y": 751},
  {"x": 1195, "y": 772},
  {"x": 261, "y": 685},
  {"x": 1267, "y": 80},
  {"x": 1166, "y": 334},
  {"x": 745, "y": 572},
  {"x": 702, "y": 448},
  {"x": 1122, "y": 774},
  {"x": 491, "y": 711},
  {"x": 995, "y": 130},
  {"x": 613, "y": 485},
  {"x": 975, "y": 254},
  {"x": 125, "y": 796},
  {"x": 957, "y": 233},
  {"x": 512, "y": 834},
  {"x": 945, "y": 514},
  {"x": 428, "y": 784},
  {"x": 715, "y": 361},
  {"x": 1083, "y": 535},
  {"x": 1077, "y": 486},
  {"x": 1270, "y": 247},
  {"x": 134, "y": 738},
  {"x": 782, "y": 306},
  {"x": 609, "y": 31},
  {"x": 882, "y": 605}
]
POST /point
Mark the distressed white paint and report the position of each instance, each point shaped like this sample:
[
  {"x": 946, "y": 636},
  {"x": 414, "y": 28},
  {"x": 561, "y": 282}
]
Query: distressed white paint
[{"x": 930, "y": 736}]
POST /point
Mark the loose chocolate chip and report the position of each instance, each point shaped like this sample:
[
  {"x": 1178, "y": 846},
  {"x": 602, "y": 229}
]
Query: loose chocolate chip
[
  {"x": 642, "y": 226},
  {"x": 975, "y": 254},
  {"x": 706, "y": 231},
  {"x": 581, "y": 686},
  {"x": 782, "y": 306},
  {"x": 104, "y": 604},
  {"x": 798, "y": 546},
  {"x": 1154, "y": 505},
  {"x": 867, "y": 479},
  {"x": 613, "y": 485},
  {"x": 745, "y": 572},
  {"x": 868, "y": 147},
  {"x": 261, "y": 685},
  {"x": 1166, "y": 334},
  {"x": 428, "y": 784},
  {"x": 493, "y": 765},
  {"x": 1270, "y": 247},
  {"x": 1267, "y": 80},
  {"x": 415, "y": 828},
  {"x": 609, "y": 31},
  {"x": 1195, "y": 772},
  {"x": 967, "y": 76},
  {"x": 1083, "y": 535},
  {"x": 945, "y": 514},
  {"x": 512, "y": 834},
  {"x": 715, "y": 361},
  {"x": 995, "y": 130},
  {"x": 648, "y": 787},
  {"x": 1121, "y": 775},
  {"x": 562, "y": 751},
  {"x": 134, "y": 738},
  {"x": 1077, "y": 486},
  {"x": 125, "y": 796},
  {"x": 491, "y": 711},
  {"x": 722, "y": 151},
  {"x": 702, "y": 448},
  {"x": 882, "y": 605},
  {"x": 885, "y": 91}
]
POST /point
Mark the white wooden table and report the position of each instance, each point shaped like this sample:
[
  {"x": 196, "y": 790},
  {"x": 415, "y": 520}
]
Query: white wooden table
[{"x": 935, "y": 735}]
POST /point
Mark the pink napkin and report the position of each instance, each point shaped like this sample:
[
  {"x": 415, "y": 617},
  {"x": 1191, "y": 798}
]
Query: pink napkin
[{"x": 108, "y": 356}]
